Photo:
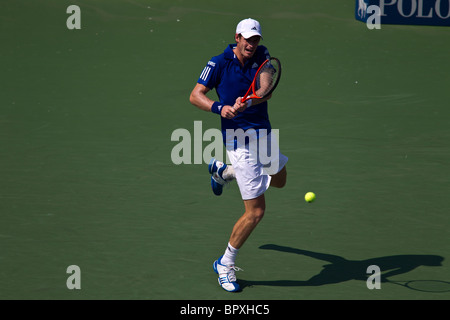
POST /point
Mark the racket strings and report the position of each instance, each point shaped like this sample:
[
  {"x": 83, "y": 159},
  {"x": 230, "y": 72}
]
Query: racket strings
[{"x": 267, "y": 78}]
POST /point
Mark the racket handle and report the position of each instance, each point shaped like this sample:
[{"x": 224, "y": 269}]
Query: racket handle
[{"x": 249, "y": 101}]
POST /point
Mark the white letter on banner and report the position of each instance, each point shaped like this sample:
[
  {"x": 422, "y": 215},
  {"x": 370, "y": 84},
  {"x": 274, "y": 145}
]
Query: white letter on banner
[
  {"x": 382, "y": 4},
  {"x": 420, "y": 11},
  {"x": 400, "y": 8},
  {"x": 438, "y": 9}
]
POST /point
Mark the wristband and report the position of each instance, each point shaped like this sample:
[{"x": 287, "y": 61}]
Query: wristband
[
  {"x": 216, "y": 107},
  {"x": 249, "y": 103}
]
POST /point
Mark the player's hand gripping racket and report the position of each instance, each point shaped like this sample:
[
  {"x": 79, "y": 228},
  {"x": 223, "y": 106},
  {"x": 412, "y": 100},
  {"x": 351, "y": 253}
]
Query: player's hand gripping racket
[{"x": 265, "y": 81}]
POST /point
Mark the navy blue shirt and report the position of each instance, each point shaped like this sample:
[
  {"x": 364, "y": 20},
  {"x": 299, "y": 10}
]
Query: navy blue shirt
[{"x": 232, "y": 80}]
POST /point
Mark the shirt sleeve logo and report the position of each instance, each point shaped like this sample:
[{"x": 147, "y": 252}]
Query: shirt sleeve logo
[{"x": 207, "y": 70}]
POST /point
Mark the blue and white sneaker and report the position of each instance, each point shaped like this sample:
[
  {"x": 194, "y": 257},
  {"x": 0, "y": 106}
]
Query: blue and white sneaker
[
  {"x": 216, "y": 169},
  {"x": 227, "y": 276}
]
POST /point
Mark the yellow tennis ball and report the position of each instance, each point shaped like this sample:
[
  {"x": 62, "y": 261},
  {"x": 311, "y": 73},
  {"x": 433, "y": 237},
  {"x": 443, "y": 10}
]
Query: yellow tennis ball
[{"x": 310, "y": 197}]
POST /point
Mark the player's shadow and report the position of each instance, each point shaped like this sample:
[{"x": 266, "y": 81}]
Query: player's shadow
[{"x": 340, "y": 269}]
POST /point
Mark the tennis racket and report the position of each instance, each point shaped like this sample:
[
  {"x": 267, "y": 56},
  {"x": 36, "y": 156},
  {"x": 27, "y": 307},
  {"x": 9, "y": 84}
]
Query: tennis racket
[{"x": 265, "y": 80}]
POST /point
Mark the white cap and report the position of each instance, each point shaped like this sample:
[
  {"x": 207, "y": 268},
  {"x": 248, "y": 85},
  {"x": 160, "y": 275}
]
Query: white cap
[{"x": 249, "y": 28}]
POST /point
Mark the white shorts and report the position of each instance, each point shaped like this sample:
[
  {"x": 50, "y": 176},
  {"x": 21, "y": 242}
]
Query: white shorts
[{"x": 254, "y": 163}]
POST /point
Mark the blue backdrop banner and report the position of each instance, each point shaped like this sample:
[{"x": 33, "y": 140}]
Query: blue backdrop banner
[{"x": 412, "y": 12}]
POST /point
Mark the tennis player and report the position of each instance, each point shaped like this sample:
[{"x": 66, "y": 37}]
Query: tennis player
[{"x": 231, "y": 74}]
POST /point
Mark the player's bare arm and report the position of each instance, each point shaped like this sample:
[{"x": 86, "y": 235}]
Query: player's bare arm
[{"x": 199, "y": 99}]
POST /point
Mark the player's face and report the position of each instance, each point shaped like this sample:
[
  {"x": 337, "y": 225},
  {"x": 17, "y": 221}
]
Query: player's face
[{"x": 247, "y": 47}]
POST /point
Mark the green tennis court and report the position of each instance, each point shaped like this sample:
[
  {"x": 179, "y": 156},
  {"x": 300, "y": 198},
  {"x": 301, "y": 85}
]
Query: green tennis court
[{"x": 86, "y": 176}]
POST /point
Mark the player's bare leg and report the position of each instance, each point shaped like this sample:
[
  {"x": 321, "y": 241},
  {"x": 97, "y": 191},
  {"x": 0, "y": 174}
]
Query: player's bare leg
[
  {"x": 224, "y": 266},
  {"x": 254, "y": 212},
  {"x": 279, "y": 180}
]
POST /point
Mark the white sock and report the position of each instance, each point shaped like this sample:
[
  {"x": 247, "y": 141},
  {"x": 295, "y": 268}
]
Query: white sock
[
  {"x": 228, "y": 174},
  {"x": 229, "y": 256}
]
